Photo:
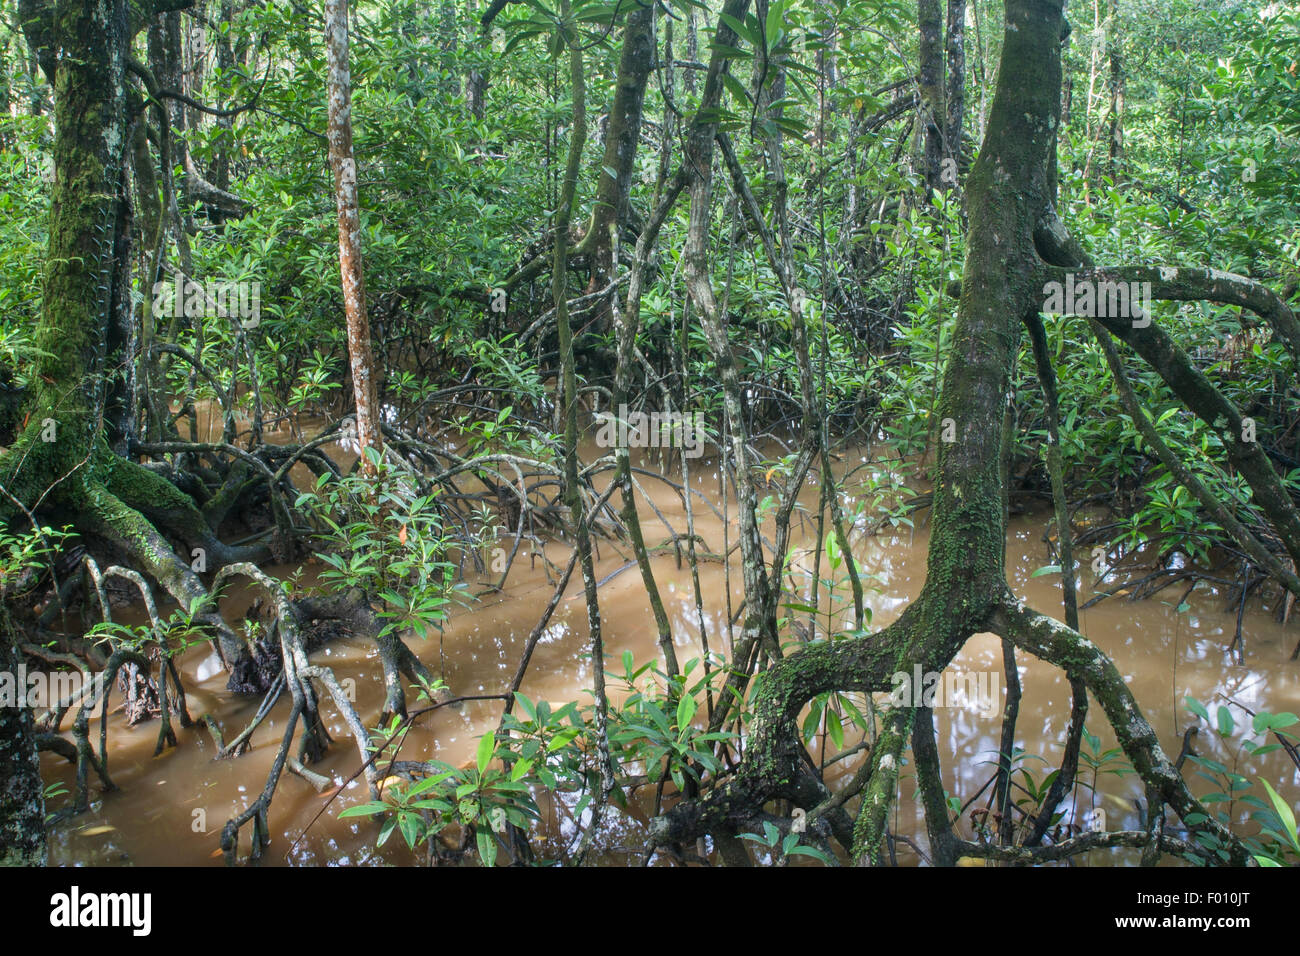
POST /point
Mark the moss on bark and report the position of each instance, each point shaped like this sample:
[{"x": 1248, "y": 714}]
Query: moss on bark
[{"x": 1009, "y": 197}]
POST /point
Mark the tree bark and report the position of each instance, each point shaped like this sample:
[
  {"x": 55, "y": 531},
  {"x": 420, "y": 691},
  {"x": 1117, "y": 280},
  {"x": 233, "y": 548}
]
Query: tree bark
[
  {"x": 932, "y": 113},
  {"x": 22, "y": 793},
  {"x": 955, "y": 93},
  {"x": 1009, "y": 195},
  {"x": 621, "y": 138},
  {"x": 1117, "y": 90},
  {"x": 77, "y": 328},
  {"x": 339, "y": 90}
]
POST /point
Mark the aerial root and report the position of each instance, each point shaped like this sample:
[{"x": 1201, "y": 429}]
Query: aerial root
[
  {"x": 298, "y": 676},
  {"x": 351, "y": 609},
  {"x": 1053, "y": 642},
  {"x": 771, "y": 767},
  {"x": 147, "y": 695}
]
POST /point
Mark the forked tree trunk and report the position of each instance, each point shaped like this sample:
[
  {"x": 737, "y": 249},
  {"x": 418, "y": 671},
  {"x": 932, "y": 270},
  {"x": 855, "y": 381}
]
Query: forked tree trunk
[{"x": 1010, "y": 203}]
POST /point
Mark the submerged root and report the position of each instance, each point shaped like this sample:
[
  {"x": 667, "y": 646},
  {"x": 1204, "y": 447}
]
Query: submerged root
[
  {"x": 771, "y": 767},
  {"x": 298, "y": 676},
  {"x": 352, "y": 610}
]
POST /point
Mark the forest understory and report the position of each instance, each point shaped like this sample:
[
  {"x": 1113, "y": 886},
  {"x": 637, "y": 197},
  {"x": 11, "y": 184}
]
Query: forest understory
[{"x": 677, "y": 432}]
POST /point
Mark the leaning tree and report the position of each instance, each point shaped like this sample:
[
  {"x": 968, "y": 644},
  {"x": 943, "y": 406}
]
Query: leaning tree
[{"x": 1016, "y": 244}]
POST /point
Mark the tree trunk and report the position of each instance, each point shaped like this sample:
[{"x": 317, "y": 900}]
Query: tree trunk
[
  {"x": 22, "y": 793},
  {"x": 955, "y": 97},
  {"x": 930, "y": 81},
  {"x": 1010, "y": 199},
  {"x": 63, "y": 459},
  {"x": 225, "y": 146},
  {"x": 57, "y": 456},
  {"x": 621, "y": 138},
  {"x": 339, "y": 91},
  {"x": 1116, "y": 118}
]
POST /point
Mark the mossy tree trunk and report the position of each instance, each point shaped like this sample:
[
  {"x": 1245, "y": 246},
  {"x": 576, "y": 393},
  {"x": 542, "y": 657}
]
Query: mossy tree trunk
[
  {"x": 67, "y": 462},
  {"x": 614, "y": 186},
  {"x": 59, "y": 456},
  {"x": 1010, "y": 200}
]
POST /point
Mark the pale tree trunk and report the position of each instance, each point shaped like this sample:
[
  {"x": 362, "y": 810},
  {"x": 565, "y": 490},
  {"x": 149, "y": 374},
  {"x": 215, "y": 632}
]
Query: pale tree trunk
[
  {"x": 692, "y": 50},
  {"x": 980, "y": 75},
  {"x": 1094, "y": 67},
  {"x": 339, "y": 90}
]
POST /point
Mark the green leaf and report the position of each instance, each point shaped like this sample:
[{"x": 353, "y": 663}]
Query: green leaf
[
  {"x": 1226, "y": 723},
  {"x": 526, "y": 705},
  {"x": 386, "y": 831},
  {"x": 1266, "y": 721},
  {"x": 809, "y": 851},
  {"x": 773, "y": 27},
  {"x": 835, "y": 728},
  {"x": 486, "y": 747},
  {"x": 412, "y": 828},
  {"x": 487, "y": 847},
  {"x": 729, "y": 53},
  {"x": 562, "y": 739},
  {"x": 735, "y": 88},
  {"x": 741, "y": 30},
  {"x": 801, "y": 608},
  {"x": 428, "y": 783},
  {"x": 1046, "y": 569},
  {"x": 685, "y": 711},
  {"x": 1284, "y": 813}
]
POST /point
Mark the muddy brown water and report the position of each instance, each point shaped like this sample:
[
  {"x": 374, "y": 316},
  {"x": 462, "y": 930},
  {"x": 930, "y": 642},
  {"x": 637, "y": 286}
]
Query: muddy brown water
[{"x": 169, "y": 809}]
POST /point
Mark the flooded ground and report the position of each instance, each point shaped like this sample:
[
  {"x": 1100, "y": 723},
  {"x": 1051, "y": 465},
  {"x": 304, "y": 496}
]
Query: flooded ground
[{"x": 170, "y": 809}]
